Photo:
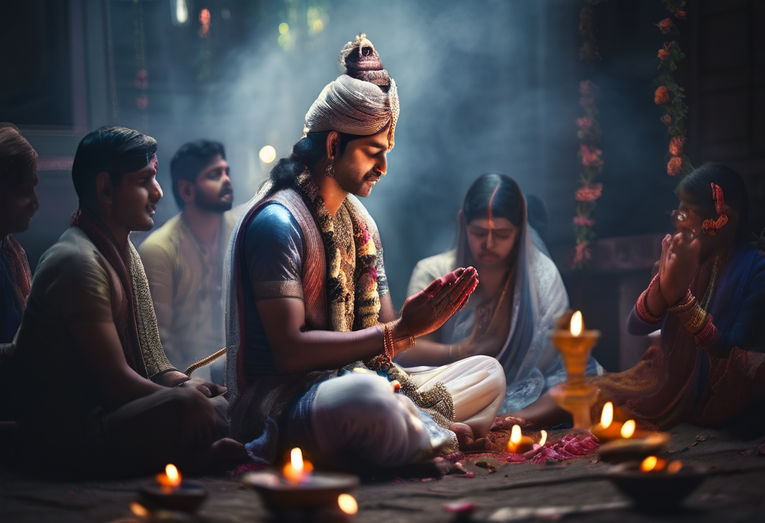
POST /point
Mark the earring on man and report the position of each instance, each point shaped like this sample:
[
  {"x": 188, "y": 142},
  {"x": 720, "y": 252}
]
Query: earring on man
[{"x": 329, "y": 172}]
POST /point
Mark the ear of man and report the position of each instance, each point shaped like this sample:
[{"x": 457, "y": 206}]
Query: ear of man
[
  {"x": 332, "y": 144},
  {"x": 186, "y": 190}
]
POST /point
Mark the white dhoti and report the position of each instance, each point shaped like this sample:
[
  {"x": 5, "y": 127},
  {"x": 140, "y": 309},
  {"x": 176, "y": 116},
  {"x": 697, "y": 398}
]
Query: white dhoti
[{"x": 477, "y": 386}]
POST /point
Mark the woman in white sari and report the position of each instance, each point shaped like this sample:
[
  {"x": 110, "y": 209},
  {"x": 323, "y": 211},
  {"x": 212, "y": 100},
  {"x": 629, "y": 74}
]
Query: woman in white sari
[{"x": 518, "y": 299}]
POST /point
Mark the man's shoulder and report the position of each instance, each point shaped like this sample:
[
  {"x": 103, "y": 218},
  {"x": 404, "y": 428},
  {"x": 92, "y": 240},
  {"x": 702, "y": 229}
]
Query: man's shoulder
[
  {"x": 72, "y": 245},
  {"x": 72, "y": 254},
  {"x": 274, "y": 214},
  {"x": 164, "y": 239}
]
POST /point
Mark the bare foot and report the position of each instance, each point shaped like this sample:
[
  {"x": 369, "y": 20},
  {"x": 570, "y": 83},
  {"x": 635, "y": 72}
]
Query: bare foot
[
  {"x": 466, "y": 440},
  {"x": 506, "y": 422}
]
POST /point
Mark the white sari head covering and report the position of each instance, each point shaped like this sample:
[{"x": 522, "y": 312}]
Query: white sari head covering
[
  {"x": 530, "y": 361},
  {"x": 361, "y": 101}
]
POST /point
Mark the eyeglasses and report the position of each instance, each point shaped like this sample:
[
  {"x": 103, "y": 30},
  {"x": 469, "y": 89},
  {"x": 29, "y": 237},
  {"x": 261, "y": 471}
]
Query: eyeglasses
[{"x": 685, "y": 220}]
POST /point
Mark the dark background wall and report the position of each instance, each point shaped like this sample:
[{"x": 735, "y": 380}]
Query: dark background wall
[{"x": 485, "y": 86}]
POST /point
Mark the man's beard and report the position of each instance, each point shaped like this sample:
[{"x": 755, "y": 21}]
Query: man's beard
[{"x": 216, "y": 205}]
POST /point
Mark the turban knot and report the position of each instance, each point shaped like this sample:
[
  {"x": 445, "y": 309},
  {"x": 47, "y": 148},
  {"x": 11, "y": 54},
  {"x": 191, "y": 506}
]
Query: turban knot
[{"x": 361, "y": 101}]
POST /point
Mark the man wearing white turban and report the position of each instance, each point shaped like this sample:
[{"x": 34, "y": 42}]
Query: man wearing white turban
[{"x": 311, "y": 326}]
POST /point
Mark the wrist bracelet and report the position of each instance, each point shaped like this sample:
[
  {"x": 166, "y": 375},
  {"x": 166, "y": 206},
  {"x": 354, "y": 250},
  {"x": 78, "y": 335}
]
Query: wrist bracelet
[
  {"x": 693, "y": 319},
  {"x": 403, "y": 343},
  {"x": 707, "y": 336},
  {"x": 641, "y": 307},
  {"x": 387, "y": 342},
  {"x": 683, "y": 304}
]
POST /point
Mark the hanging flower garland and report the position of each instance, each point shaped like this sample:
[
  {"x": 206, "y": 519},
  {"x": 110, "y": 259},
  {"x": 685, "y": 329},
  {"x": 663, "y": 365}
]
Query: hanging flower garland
[
  {"x": 588, "y": 133},
  {"x": 669, "y": 94}
]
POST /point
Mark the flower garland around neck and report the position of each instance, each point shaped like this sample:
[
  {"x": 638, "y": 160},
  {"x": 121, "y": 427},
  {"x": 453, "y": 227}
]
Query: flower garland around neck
[
  {"x": 588, "y": 134},
  {"x": 669, "y": 94}
]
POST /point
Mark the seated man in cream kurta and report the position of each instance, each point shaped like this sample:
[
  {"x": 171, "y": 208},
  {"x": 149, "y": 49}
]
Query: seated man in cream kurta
[
  {"x": 183, "y": 258},
  {"x": 309, "y": 302}
]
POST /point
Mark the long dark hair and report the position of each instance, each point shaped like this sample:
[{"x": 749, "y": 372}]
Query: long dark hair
[
  {"x": 506, "y": 200},
  {"x": 306, "y": 153},
  {"x": 696, "y": 187}
]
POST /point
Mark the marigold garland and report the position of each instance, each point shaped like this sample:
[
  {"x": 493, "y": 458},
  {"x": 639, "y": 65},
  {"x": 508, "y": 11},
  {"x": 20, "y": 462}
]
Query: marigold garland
[
  {"x": 668, "y": 92},
  {"x": 588, "y": 133}
]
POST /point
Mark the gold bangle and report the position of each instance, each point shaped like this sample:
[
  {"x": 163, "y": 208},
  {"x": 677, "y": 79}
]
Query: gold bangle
[
  {"x": 403, "y": 343},
  {"x": 388, "y": 342},
  {"x": 693, "y": 319}
]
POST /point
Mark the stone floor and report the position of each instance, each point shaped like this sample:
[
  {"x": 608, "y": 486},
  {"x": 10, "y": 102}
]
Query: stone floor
[{"x": 577, "y": 490}]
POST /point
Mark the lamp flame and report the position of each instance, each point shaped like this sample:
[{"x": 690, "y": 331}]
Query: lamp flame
[
  {"x": 296, "y": 459},
  {"x": 542, "y": 438},
  {"x": 297, "y": 469},
  {"x": 347, "y": 504},
  {"x": 648, "y": 464},
  {"x": 628, "y": 429},
  {"x": 607, "y": 416},
  {"x": 576, "y": 324},
  {"x": 171, "y": 478},
  {"x": 515, "y": 435}
]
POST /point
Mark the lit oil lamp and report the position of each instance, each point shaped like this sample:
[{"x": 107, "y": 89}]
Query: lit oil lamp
[
  {"x": 170, "y": 492},
  {"x": 518, "y": 443},
  {"x": 170, "y": 479},
  {"x": 298, "y": 487},
  {"x": 656, "y": 484},
  {"x": 607, "y": 429},
  {"x": 575, "y": 395},
  {"x": 652, "y": 465}
]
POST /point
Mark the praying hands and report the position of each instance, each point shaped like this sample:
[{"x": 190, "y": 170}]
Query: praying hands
[
  {"x": 678, "y": 264},
  {"x": 427, "y": 310}
]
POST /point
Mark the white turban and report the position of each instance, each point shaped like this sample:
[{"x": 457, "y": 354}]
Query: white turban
[{"x": 353, "y": 106}]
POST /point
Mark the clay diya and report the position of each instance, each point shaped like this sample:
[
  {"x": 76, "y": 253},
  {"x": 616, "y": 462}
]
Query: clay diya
[
  {"x": 170, "y": 492},
  {"x": 297, "y": 487},
  {"x": 656, "y": 484}
]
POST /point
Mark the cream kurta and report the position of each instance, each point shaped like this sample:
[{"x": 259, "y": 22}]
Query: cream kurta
[{"x": 186, "y": 287}]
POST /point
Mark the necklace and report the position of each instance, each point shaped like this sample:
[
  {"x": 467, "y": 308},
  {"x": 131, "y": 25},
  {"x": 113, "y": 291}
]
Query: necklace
[{"x": 711, "y": 285}]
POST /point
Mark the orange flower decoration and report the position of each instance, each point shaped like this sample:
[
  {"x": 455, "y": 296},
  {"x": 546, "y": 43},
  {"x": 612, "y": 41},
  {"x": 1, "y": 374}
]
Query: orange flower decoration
[
  {"x": 666, "y": 119},
  {"x": 674, "y": 165},
  {"x": 589, "y": 193},
  {"x": 665, "y": 26},
  {"x": 676, "y": 145},
  {"x": 591, "y": 157},
  {"x": 661, "y": 96}
]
